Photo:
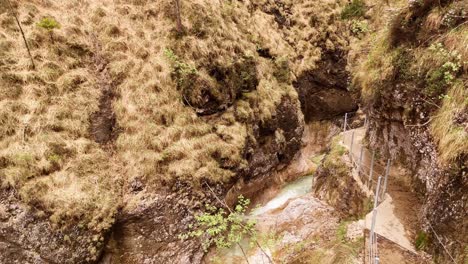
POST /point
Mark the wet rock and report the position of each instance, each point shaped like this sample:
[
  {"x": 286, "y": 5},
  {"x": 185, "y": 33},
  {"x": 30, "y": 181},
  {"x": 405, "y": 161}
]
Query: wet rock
[{"x": 299, "y": 220}]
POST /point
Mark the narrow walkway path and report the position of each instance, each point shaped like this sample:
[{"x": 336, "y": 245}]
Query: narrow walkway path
[{"x": 394, "y": 221}]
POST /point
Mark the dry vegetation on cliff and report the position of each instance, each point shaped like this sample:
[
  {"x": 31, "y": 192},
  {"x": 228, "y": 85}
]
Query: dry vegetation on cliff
[
  {"x": 185, "y": 103},
  {"x": 432, "y": 57},
  {"x": 413, "y": 83},
  {"x": 46, "y": 154}
]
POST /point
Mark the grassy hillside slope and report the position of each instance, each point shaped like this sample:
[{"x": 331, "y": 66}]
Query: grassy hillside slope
[{"x": 122, "y": 98}]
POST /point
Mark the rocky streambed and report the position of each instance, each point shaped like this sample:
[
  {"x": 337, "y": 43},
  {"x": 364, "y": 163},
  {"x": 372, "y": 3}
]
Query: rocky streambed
[
  {"x": 293, "y": 217},
  {"x": 289, "y": 219}
]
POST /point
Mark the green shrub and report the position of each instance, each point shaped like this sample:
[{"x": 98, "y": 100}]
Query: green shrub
[
  {"x": 222, "y": 229},
  {"x": 181, "y": 71},
  {"x": 359, "y": 27},
  {"x": 355, "y": 9},
  {"x": 402, "y": 61},
  {"x": 342, "y": 231},
  {"x": 48, "y": 23},
  {"x": 438, "y": 79},
  {"x": 422, "y": 240}
]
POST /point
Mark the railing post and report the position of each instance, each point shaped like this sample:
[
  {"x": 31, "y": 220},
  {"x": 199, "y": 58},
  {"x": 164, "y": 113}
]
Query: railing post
[
  {"x": 351, "y": 147},
  {"x": 345, "y": 122},
  {"x": 376, "y": 251},
  {"x": 377, "y": 192},
  {"x": 360, "y": 160},
  {"x": 371, "y": 169},
  {"x": 387, "y": 172},
  {"x": 374, "y": 218}
]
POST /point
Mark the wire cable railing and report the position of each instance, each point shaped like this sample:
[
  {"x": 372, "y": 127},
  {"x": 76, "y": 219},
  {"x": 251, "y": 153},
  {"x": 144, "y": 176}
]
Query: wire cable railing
[
  {"x": 374, "y": 175},
  {"x": 370, "y": 174}
]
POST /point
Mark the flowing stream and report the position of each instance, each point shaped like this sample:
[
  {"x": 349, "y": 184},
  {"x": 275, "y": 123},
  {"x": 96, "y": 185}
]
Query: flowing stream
[
  {"x": 289, "y": 191},
  {"x": 284, "y": 211}
]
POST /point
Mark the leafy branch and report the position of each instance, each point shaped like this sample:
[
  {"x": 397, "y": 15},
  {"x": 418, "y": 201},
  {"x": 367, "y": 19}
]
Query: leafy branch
[{"x": 222, "y": 228}]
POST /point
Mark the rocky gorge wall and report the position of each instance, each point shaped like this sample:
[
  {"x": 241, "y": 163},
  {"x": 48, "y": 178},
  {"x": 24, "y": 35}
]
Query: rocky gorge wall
[{"x": 416, "y": 116}]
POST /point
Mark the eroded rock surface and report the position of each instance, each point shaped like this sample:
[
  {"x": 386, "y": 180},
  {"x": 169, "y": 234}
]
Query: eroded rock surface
[
  {"x": 149, "y": 232},
  {"x": 335, "y": 185},
  {"x": 26, "y": 236},
  {"x": 323, "y": 91}
]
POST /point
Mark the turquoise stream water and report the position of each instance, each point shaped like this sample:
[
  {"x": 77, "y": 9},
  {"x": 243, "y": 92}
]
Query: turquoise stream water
[{"x": 291, "y": 190}]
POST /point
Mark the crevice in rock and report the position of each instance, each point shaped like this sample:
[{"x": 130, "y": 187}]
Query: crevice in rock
[
  {"x": 265, "y": 53},
  {"x": 323, "y": 91}
]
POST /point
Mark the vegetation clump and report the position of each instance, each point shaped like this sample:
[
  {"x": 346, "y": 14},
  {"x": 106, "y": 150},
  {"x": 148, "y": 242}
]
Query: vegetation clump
[
  {"x": 48, "y": 23},
  {"x": 359, "y": 27},
  {"x": 182, "y": 71},
  {"x": 422, "y": 240},
  {"x": 449, "y": 132},
  {"x": 223, "y": 228},
  {"x": 445, "y": 68},
  {"x": 354, "y": 9}
]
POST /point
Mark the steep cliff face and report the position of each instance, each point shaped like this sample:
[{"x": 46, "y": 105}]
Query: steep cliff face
[
  {"x": 323, "y": 91},
  {"x": 413, "y": 85},
  {"x": 108, "y": 144}
]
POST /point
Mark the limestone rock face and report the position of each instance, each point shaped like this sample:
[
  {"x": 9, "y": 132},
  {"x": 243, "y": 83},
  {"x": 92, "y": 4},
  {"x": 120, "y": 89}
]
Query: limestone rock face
[
  {"x": 445, "y": 204},
  {"x": 26, "y": 236},
  {"x": 149, "y": 232},
  {"x": 276, "y": 141},
  {"x": 323, "y": 91}
]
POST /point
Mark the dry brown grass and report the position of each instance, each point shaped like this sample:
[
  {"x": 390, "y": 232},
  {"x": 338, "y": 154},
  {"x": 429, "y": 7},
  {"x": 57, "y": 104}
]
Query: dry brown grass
[
  {"x": 46, "y": 151},
  {"x": 382, "y": 68},
  {"x": 452, "y": 136},
  {"x": 377, "y": 67}
]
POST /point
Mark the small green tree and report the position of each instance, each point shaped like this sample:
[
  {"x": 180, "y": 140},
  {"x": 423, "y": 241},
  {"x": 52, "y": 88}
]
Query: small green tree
[
  {"x": 49, "y": 24},
  {"x": 221, "y": 228},
  {"x": 225, "y": 229},
  {"x": 181, "y": 71}
]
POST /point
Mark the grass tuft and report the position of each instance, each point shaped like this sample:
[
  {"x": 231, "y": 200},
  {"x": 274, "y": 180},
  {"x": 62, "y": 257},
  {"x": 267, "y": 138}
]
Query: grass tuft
[
  {"x": 422, "y": 240},
  {"x": 449, "y": 131},
  {"x": 354, "y": 9}
]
